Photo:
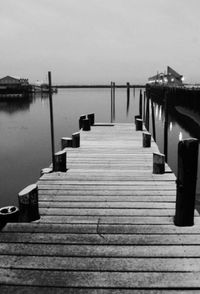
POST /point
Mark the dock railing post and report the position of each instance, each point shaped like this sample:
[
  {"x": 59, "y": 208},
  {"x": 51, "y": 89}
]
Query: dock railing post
[
  {"x": 51, "y": 120},
  {"x": 186, "y": 182}
]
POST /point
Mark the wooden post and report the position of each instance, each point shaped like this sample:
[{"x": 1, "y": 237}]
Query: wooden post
[
  {"x": 166, "y": 127},
  {"x": 28, "y": 204},
  {"x": 91, "y": 118},
  {"x": 146, "y": 139},
  {"x": 82, "y": 117},
  {"x": 51, "y": 119},
  {"x": 8, "y": 214},
  {"x": 60, "y": 161},
  {"x": 158, "y": 163},
  {"x": 128, "y": 90},
  {"x": 137, "y": 117},
  {"x": 139, "y": 124},
  {"x": 144, "y": 102},
  {"x": 66, "y": 142},
  {"x": 153, "y": 121},
  {"x": 134, "y": 91},
  {"x": 111, "y": 99},
  {"x": 186, "y": 182},
  {"x": 114, "y": 101},
  {"x": 147, "y": 114},
  {"x": 86, "y": 124},
  {"x": 140, "y": 104},
  {"x": 76, "y": 140}
]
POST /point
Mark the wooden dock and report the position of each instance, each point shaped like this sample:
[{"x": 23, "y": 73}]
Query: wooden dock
[{"x": 106, "y": 226}]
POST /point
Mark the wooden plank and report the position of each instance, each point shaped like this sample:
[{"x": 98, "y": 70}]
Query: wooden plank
[
  {"x": 60, "y": 290},
  {"x": 99, "y": 238},
  {"x": 102, "y": 205},
  {"x": 106, "y": 212},
  {"x": 139, "y": 251},
  {"x": 101, "y": 264},
  {"x": 100, "y": 279},
  {"x": 102, "y": 228}
]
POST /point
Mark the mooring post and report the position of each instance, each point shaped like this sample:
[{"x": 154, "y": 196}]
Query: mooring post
[
  {"x": 146, "y": 142},
  {"x": 166, "y": 126},
  {"x": 158, "y": 163},
  {"x": 51, "y": 120},
  {"x": 91, "y": 118},
  {"x": 186, "y": 182},
  {"x": 28, "y": 204},
  {"x": 86, "y": 125},
  {"x": 140, "y": 104},
  {"x": 82, "y": 117},
  {"x": 60, "y": 161},
  {"x": 66, "y": 142},
  {"x": 76, "y": 140},
  {"x": 139, "y": 124},
  {"x": 153, "y": 121}
]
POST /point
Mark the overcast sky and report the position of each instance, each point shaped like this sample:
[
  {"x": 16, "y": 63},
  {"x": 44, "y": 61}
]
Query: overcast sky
[{"x": 96, "y": 41}]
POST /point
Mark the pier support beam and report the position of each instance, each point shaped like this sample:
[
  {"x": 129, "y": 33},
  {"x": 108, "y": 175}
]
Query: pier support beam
[{"x": 186, "y": 182}]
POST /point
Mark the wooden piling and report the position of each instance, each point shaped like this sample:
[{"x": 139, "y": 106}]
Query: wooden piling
[
  {"x": 158, "y": 163},
  {"x": 139, "y": 124},
  {"x": 166, "y": 127},
  {"x": 82, "y": 117},
  {"x": 86, "y": 124},
  {"x": 111, "y": 102},
  {"x": 137, "y": 117},
  {"x": 51, "y": 119},
  {"x": 66, "y": 142},
  {"x": 128, "y": 90},
  {"x": 146, "y": 139},
  {"x": 76, "y": 140},
  {"x": 186, "y": 182},
  {"x": 60, "y": 161},
  {"x": 91, "y": 118},
  {"x": 140, "y": 104},
  {"x": 28, "y": 204},
  {"x": 147, "y": 114},
  {"x": 153, "y": 121}
]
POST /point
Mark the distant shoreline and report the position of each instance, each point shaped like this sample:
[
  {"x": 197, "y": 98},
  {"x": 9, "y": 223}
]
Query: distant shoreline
[{"x": 97, "y": 86}]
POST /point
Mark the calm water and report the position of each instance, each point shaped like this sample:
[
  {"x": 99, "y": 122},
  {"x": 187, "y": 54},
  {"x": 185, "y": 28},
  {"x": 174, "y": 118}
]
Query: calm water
[{"x": 25, "y": 132}]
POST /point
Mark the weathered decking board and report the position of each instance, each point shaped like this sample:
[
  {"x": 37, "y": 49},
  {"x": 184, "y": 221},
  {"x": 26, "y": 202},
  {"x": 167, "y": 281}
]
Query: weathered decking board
[{"x": 106, "y": 226}]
